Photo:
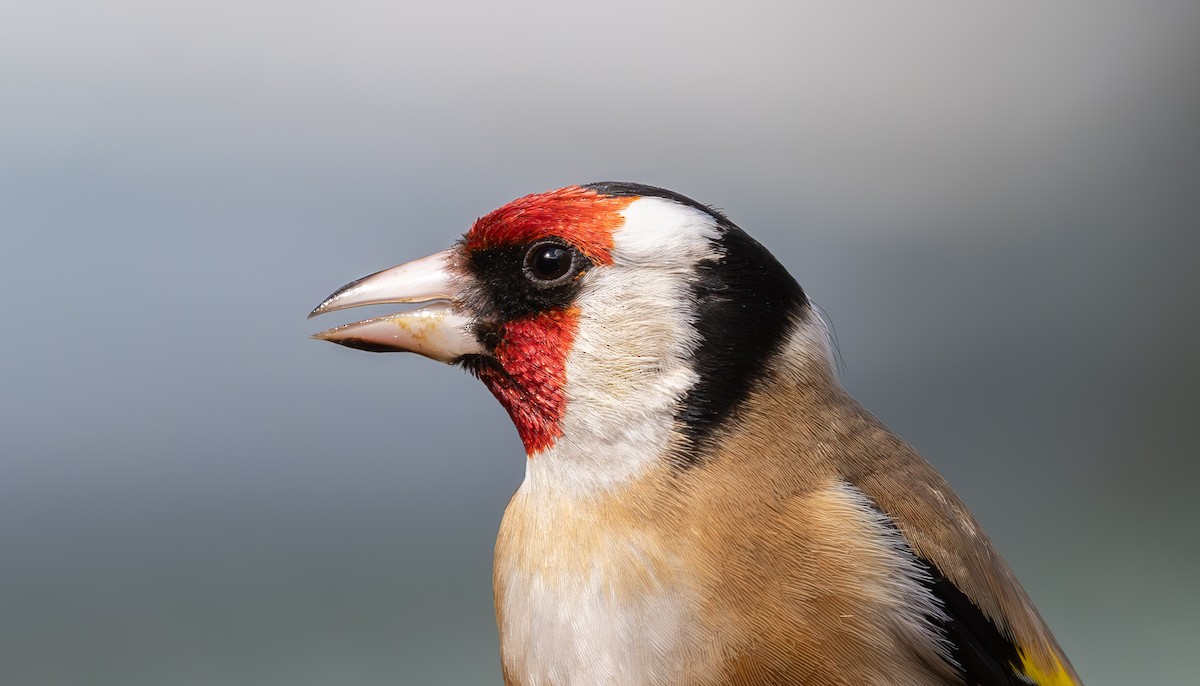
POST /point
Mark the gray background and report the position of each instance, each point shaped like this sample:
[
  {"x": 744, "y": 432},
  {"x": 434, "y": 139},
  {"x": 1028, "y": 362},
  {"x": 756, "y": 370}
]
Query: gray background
[{"x": 997, "y": 207}]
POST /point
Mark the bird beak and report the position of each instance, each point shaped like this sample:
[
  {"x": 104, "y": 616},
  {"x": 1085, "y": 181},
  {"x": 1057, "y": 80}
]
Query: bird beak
[{"x": 438, "y": 330}]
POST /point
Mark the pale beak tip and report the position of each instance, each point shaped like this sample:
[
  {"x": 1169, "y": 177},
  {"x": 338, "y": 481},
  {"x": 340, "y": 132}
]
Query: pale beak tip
[
  {"x": 324, "y": 307},
  {"x": 326, "y": 335},
  {"x": 436, "y": 330},
  {"x": 344, "y": 336}
]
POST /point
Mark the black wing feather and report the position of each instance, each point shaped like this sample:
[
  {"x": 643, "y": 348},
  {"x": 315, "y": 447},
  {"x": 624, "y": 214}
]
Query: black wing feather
[{"x": 985, "y": 656}]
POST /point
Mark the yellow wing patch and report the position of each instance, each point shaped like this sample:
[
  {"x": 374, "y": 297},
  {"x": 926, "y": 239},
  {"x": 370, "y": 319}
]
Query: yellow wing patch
[{"x": 1057, "y": 675}]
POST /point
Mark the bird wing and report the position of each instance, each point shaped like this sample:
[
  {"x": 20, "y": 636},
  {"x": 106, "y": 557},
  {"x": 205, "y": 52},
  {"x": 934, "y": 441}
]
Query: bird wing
[
  {"x": 996, "y": 635},
  {"x": 984, "y": 654}
]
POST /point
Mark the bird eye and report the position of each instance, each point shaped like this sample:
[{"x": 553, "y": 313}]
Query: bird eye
[{"x": 548, "y": 262}]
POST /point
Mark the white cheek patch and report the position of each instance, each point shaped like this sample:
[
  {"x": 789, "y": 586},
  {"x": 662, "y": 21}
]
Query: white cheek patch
[{"x": 631, "y": 359}]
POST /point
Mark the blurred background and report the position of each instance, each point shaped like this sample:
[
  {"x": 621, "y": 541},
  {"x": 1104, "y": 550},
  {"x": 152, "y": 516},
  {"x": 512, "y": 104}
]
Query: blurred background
[{"x": 995, "y": 205}]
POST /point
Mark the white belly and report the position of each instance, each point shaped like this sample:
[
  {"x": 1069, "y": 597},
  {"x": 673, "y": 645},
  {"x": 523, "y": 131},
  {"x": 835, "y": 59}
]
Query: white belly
[
  {"x": 578, "y": 632},
  {"x": 578, "y": 607}
]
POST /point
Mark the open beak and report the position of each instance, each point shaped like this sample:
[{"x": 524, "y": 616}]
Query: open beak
[{"x": 438, "y": 330}]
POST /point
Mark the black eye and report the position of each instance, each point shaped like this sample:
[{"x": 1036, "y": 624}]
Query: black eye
[{"x": 548, "y": 262}]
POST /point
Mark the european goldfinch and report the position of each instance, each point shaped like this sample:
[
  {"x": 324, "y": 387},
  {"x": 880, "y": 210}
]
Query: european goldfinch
[{"x": 703, "y": 503}]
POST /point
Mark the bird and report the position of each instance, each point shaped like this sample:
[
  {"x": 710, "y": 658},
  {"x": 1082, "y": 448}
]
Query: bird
[{"x": 703, "y": 502}]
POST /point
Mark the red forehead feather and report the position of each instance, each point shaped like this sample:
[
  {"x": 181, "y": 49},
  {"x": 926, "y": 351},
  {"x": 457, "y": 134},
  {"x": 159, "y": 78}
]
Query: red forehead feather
[{"x": 578, "y": 215}]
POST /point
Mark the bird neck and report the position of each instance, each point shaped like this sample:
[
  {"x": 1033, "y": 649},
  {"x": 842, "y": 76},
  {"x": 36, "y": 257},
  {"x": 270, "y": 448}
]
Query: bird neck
[{"x": 622, "y": 434}]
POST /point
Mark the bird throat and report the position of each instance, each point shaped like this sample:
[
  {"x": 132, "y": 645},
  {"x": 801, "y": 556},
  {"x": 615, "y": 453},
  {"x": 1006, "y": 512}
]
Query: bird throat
[{"x": 528, "y": 374}]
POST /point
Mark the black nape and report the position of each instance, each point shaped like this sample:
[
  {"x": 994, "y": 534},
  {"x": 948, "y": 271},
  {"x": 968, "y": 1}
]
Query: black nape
[{"x": 746, "y": 304}]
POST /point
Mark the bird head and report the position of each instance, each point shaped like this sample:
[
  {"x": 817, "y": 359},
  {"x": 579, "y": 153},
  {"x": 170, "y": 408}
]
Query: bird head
[{"x": 618, "y": 324}]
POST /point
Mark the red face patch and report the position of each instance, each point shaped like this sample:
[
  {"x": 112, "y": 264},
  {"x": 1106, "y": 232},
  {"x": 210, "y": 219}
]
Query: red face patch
[
  {"x": 532, "y": 377},
  {"x": 583, "y": 217}
]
